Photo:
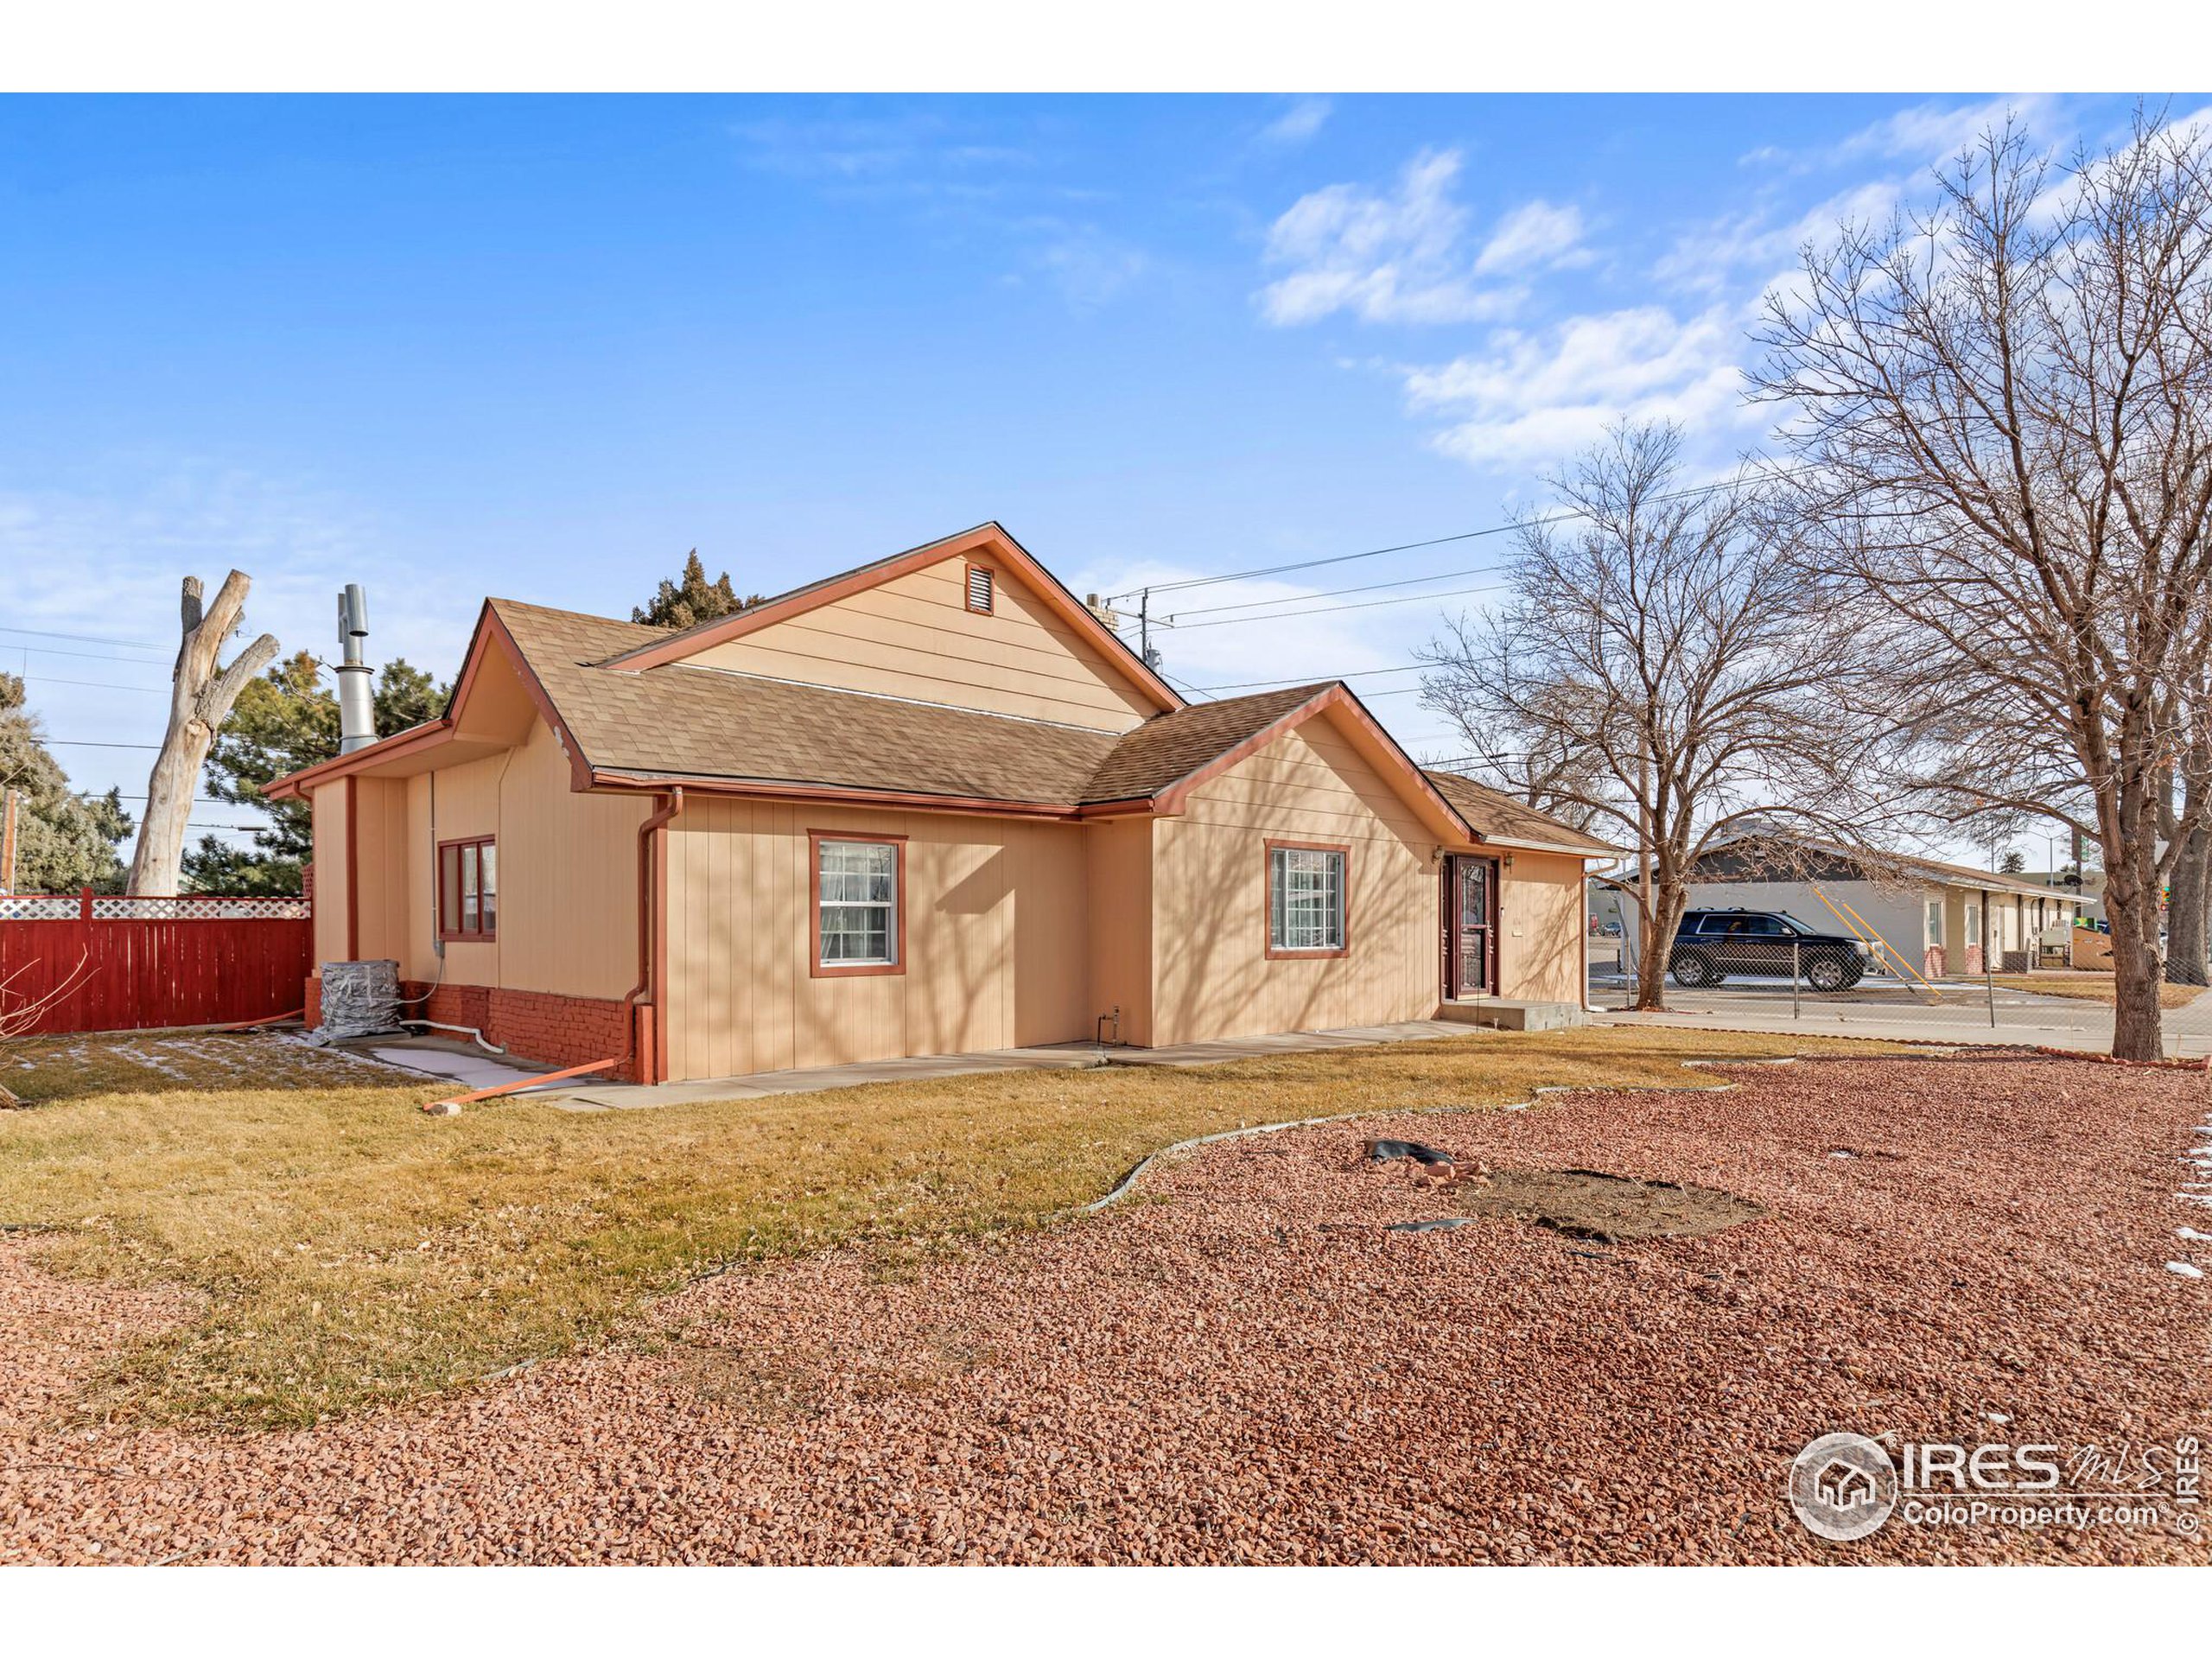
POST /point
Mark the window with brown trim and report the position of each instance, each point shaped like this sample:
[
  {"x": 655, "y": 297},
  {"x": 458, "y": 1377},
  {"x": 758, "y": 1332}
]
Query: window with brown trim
[
  {"x": 981, "y": 584},
  {"x": 1308, "y": 899},
  {"x": 468, "y": 889},
  {"x": 859, "y": 902}
]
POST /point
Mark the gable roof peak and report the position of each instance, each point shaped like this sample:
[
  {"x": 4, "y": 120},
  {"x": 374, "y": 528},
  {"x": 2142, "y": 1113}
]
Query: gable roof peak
[{"x": 991, "y": 536}]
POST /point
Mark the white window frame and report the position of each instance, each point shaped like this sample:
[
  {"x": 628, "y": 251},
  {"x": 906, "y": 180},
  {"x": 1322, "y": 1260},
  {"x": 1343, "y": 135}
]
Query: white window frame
[
  {"x": 1305, "y": 871},
  {"x": 833, "y": 892}
]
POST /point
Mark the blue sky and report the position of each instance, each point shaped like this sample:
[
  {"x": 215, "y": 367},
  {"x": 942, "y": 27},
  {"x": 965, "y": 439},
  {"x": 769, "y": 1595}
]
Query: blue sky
[{"x": 541, "y": 347}]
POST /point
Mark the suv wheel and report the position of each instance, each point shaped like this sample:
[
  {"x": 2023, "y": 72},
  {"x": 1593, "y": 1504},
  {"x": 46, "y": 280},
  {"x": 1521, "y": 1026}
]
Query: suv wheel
[
  {"x": 1692, "y": 970},
  {"x": 1830, "y": 973}
]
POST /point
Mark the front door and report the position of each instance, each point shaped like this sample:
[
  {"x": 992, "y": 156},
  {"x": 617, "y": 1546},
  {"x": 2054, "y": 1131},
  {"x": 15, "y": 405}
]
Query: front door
[{"x": 1471, "y": 932}]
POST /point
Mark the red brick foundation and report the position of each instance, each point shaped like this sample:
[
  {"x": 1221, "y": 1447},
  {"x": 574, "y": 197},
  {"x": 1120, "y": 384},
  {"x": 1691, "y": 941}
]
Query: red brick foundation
[{"x": 535, "y": 1026}]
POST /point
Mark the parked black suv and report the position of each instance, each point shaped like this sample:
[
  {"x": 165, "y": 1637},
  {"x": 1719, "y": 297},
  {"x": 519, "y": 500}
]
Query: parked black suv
[{"x": 1711, "y": 944}]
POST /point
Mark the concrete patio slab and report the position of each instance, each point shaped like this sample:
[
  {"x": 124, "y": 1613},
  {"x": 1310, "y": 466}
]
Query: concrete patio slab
[{"x": 461, "y": 1064}]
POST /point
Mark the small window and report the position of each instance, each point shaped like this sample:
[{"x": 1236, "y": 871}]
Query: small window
[
  {"x": 979, "y": 589},
  {"x": 468, "y": 889},
  {"x": 1766, "y": 927},
  {"x": 859, "y": 911},
  {"x": 1935, "y": 921},
  {"x": 1306, "y": 900}
]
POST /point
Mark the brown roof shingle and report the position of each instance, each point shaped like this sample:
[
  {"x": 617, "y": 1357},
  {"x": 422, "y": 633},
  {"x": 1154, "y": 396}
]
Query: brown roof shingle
[
  {"x": 1169, "y": 747},
  {"x": 679, "y": 721},
  {"x": 1498, "y": 816}
]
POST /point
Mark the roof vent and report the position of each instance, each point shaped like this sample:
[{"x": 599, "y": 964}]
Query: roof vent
[{"x": 979, "y": 589}]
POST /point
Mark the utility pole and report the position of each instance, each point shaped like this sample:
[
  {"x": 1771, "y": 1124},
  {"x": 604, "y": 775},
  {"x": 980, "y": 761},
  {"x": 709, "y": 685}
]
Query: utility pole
[
  {"x": 1144, "y": 626},
  {"x": 8, "y": 842}
]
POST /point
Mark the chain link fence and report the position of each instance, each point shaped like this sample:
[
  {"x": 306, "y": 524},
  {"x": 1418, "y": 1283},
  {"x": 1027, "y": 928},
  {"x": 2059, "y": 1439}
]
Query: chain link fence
[{"x": 1819, "y": 986}]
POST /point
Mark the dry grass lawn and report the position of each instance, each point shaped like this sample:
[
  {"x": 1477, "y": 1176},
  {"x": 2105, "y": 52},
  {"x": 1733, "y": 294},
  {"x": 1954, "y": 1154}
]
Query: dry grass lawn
[
  {"x": 2092, "y": 988},
  {"x": 348, "y": 1251}
]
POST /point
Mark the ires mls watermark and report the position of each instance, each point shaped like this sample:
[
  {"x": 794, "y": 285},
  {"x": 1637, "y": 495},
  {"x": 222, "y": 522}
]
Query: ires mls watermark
[{"x": 1846, "y": 1486}]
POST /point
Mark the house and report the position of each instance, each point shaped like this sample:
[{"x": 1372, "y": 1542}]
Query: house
[
  {"x": 1934, "y": 918},
  {"x": 929, "y": 805}
]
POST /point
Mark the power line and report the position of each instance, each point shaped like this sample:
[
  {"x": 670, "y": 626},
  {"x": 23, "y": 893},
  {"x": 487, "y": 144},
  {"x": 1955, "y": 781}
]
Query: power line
[
  {"x": 1314, "y": 564},
  {"x": 96, "y": 685},
  {"x": 81, "y": 639},
  {"x": 1561, "y": 518},
  {"x": 1306, "y": 679},
  {"x": 94, "y": 656},
  {"x": 1334, "y": 592},
  {"x": 1320, "y": 610},
  {"x": 87, "y": 743}
]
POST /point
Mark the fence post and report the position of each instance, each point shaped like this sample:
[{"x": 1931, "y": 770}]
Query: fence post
[
  {"x": 1796, "y": 948},
  {"x": 84, "y": 904}
]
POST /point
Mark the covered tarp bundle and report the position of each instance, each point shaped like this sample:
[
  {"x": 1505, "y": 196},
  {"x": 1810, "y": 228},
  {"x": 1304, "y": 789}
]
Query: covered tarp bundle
[{"x": 359, "y": 999}]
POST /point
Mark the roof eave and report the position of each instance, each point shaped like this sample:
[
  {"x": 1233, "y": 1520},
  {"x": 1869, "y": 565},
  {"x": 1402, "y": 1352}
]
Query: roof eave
[
  {"x": 629, "y": 779},
  {"x": 294, "y": 785}
]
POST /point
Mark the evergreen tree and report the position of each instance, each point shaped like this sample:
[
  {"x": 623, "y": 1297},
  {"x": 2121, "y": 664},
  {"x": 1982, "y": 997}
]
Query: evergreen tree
[
  {"x": 2011, "y": 864},
  {"x": 64, "y": 841},
  {"x": 284, "y": 721},
  {"x": 694, "y": 599}
]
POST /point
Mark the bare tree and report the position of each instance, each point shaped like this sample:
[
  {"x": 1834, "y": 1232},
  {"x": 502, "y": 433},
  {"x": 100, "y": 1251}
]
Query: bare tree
[
  {"x": 2185, "y": 823},
  {"x": 2000, "y": 408},
  {"x": 1533, "y": 762},
  {"x": 1667, "y": 641},
  {"x": 20, "y": 1011},
  {"x": 201, "y": 697}
]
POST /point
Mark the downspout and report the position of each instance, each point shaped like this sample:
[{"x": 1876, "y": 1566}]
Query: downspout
[
  {"x": 648, "y": 914},
  {"x": 1583, "y": 928},
  {"x": 353, "y": 873}
]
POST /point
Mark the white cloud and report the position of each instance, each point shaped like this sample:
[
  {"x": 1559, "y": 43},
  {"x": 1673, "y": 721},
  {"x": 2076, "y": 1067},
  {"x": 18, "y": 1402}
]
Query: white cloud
[
  {"x": 1088, "y": 267},
  {"x": 1924, "y": 134},
  {"x": 1536, "y": 398},
  {"x": 1405, "y": 256},
  {"x": 1716, "y": 255},
  {"x": 1533, "y": 235},
  {"x": 1298, "y": 124}
]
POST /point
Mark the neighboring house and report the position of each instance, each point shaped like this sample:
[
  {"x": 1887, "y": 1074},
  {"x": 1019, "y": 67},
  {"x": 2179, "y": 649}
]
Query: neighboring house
[
  {"x": 1935, "y": 917},
  {"x": 931, "y": 806}
]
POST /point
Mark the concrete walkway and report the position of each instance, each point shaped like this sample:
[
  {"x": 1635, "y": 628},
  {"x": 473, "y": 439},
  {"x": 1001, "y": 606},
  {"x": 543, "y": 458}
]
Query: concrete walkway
[
  {"x": 587, "y": 1097},
  {"x": 1224, "y": 1050}
]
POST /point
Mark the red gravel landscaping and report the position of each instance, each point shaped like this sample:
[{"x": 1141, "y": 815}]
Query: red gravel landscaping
[{"x": 1240, "y": 1364}]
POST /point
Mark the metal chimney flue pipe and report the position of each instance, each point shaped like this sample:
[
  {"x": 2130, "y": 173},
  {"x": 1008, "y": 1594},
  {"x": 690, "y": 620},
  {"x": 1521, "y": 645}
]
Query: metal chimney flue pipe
[{"x": 356, "y": 717}]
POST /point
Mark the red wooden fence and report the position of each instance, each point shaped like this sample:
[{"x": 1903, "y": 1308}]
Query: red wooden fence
[{"x": 153, "y": 962}]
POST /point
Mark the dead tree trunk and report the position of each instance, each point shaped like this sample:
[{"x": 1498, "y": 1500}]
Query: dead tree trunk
[{"x": 200, "y": 699}]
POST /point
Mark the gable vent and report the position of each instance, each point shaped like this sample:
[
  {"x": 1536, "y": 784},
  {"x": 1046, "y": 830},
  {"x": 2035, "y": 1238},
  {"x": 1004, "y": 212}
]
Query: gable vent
[{"x": 979, "y": 589}]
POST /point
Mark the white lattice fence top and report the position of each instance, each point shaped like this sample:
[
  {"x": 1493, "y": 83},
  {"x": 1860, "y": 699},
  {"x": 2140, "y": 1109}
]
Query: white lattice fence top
[
  {"x": 116, "y": 909},
  {"x": 62, "y": 907},
  {"x": 37, "y": 907}
]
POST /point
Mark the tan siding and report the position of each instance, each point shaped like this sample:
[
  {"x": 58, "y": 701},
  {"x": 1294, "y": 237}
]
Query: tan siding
[
  {"x": 1540, "y": 905},
  {"x": 567, "y": 878},
  {"x": 1119, "y": 878},
  {"x": 381, "y": 816},
  {"x": 915, "y": 637},
  {"x": 1210, "y": 912},
  {"x": 567, "y": 872},
  {"x": 995, "y": 941},
  {"x": 330, "y": 854}
]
